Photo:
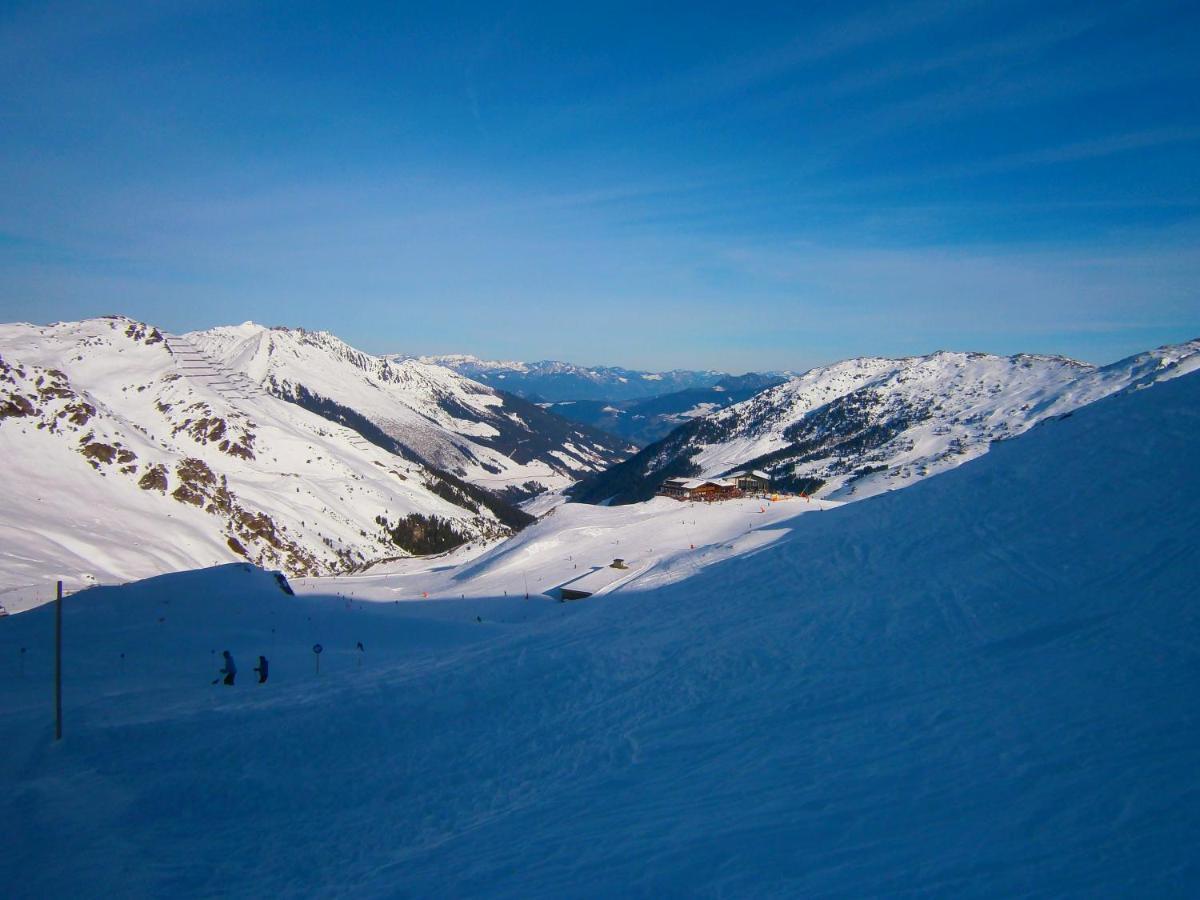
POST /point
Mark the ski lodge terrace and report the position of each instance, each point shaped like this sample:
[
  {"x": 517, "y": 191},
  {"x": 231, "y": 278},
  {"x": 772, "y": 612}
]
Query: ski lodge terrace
[{"x": 711, "y": 490}]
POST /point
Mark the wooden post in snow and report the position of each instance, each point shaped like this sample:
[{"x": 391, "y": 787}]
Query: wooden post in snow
[{"x": 58, "y": 664}]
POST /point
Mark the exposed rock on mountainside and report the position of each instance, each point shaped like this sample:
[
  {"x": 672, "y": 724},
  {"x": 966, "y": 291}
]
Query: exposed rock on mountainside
[{"x": 425, "y": 412}]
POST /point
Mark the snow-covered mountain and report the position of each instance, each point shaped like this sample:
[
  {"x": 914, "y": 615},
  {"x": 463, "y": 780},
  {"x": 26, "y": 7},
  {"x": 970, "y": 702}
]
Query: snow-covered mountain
[
  {"x": 554, "y": 381},
  {"x": 127, "y": 452},
  {"x": 973, "y": 688},
  {"x": 863, "y": 426},
  {"x": 424, "y": 411}
]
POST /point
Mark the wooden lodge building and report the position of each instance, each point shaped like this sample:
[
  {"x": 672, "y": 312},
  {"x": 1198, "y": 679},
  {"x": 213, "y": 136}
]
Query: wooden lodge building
[
  {"x": 739, "y": 484},
  {"x": 753, "y": 482},
  {"x": 706, "y": 489}
]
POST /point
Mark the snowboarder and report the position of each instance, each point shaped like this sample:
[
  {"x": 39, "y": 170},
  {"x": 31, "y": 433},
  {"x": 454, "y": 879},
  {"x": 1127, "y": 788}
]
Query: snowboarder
[
  {"x": 230, "y": 670},
  {"x": 261, "y": 669}
]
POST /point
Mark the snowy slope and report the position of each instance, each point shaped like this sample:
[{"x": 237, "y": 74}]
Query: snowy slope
[
  {"x": 126, "y": 455},
  {"x": 661, "y": 541},
  {"x": 863, "y": 426},
  {"x": 433, "y": 414},
  {"x": 977, "y": 687}
]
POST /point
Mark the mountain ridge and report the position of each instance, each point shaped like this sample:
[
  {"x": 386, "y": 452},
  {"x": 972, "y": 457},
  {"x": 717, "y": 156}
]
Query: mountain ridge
[
  {"x": 865, "y": 425},
  {"x": 112, "y": 420},
  {"x": 482, "y": 435},
  {"x": 556, "y": 381}
]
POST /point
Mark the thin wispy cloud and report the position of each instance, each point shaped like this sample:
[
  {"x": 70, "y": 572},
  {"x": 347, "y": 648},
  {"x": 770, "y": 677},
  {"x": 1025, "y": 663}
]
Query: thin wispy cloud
[
  {"x": 860, "y": 28},
  {"x": 1007, "y": 87},
  {"x": 1037, "y": 38},
  {"x": 1075, "y": 151}
]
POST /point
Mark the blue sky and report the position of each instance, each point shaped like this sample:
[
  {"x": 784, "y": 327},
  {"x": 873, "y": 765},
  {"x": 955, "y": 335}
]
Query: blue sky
[{"x": 654, "y": 185}]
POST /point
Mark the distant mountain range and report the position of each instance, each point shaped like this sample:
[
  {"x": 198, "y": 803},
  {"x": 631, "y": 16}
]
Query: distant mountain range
[
  {"x": 646, "y": 420},
  {"x": 868, "y": 425},
  {"x": 552, "y": 381}
]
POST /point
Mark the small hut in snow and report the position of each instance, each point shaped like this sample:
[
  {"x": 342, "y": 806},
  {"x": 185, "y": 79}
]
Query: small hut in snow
[{"x": 593, "y": 582}]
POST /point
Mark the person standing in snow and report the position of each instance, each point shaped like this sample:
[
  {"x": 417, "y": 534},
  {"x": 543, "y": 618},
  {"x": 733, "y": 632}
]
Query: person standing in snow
[
  {"x": 261, "y": 669},
  {"x": 230, "y": 670}
]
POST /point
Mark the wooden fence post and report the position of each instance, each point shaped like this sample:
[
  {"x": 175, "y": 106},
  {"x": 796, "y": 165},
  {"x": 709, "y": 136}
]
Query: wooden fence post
[{"x": 58, "y": 664}]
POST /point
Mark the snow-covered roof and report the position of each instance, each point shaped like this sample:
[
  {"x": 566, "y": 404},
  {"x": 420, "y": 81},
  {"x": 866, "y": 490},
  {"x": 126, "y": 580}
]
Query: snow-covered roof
[
  {"x": 596, "y": 580},
  {"x": 694, "y": 483}
]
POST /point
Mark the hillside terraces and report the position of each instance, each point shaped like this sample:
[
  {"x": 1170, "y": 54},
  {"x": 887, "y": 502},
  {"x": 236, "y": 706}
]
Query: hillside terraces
[{"x": 197, "y": 365}]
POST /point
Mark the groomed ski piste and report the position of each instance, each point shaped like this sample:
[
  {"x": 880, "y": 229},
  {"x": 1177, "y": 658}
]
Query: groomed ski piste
[{"x": 979, "y": 686}]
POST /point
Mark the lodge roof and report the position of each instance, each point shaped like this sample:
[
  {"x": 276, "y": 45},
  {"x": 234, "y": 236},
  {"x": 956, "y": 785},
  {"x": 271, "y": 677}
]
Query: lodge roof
[
  {"x": 756, "y": 473},
  {"x": 698, "y": 482}
]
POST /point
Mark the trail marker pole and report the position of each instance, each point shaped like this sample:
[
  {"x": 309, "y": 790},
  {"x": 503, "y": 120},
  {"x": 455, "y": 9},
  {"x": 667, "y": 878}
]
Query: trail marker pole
[
  {"x": 58, "y": 664},
  {"x": 317, "y": 648}
]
